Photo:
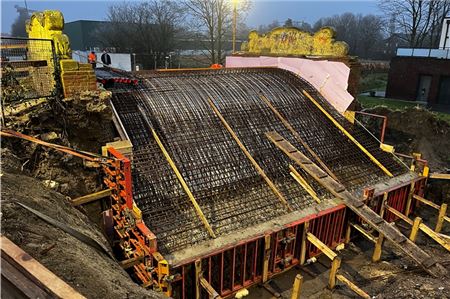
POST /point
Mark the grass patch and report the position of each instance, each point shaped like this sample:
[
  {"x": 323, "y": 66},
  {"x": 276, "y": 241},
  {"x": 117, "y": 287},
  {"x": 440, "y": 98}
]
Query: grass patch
[
  {"x": 370, "y": 102},
  {"x": 373, "y": 82}
]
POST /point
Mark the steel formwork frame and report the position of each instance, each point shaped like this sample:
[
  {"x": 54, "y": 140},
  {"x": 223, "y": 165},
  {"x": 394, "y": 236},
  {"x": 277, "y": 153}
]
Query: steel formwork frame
[{"x": 240, "y": 265}]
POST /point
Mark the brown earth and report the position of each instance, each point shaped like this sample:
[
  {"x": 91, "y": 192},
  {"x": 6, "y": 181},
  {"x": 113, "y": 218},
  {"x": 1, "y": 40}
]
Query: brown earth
[
  {"x": 42, "y": 178},
  {"x": 417, "y": 130},
  {"x": 94, "y": 274}
]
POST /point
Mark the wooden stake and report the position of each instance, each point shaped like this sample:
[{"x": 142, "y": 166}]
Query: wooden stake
[
  {"x": 265, "y": 273},
  {"x": 410, "y": 197},
  {"x": 378, "y": 248},
  {"x": 198, "y": 276},
  {"x": 335, "y": 264},
  {"x": 249, "y": 156},
  {"x": 297, "y": 287},
  {"x": 441, "y": 217},
  {"x": 383, "y": 204},
  {"x": 415, "y": 229},
  {"x": 348, "y": 233},
  {"x": 303, "y": 245}
]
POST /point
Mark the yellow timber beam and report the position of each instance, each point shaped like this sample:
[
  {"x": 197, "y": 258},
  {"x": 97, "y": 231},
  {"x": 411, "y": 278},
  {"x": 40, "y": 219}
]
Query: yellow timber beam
[
  {"x": 90, "y": 197},
  {"x": 185, "y": 186},
  {"x": 321, "y": 246},
  {"x": 352, "y": 286},
  {"x": 249, "y": 156},
  {"x": 296, "y": 175},
  {"x": 432, "y": 234},
  {"x": 442, "y": 176},
  {"x": 343, "y": 130},
  {"x": 297, "y": 136},
  {"x": 297, "y": 287}
]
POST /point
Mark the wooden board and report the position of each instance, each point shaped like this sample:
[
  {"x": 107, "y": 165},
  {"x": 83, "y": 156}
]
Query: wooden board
[{"x": 34, "y": 271}]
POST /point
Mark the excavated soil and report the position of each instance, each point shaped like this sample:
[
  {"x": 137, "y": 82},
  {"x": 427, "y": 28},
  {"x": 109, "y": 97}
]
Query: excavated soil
[
  {"x": 92, "y": 273},
  {"x": 417, "y": 130},
  {"x": 43, "y": 179}
]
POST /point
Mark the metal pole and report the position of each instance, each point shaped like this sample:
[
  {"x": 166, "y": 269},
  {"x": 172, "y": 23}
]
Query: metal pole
[{"x": 234, "y": 24}]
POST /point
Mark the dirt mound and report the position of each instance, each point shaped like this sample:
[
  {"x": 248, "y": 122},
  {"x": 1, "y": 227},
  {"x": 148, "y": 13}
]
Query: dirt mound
[
  {"x": 417, "y": 130},
  {"x": 92, "y": 273},
  {"x": 82, "y": 122}
]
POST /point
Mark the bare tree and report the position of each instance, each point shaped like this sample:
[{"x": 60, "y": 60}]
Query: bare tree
[
  {"x": 418, "y": 21},
  {"x": 143, "y": 27},
  {"x": 211, "y": 20}
]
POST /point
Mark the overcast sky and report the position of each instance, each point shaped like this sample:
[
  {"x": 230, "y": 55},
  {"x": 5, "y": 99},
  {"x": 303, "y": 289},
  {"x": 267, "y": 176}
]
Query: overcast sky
[{"x": 262, "y": 12}]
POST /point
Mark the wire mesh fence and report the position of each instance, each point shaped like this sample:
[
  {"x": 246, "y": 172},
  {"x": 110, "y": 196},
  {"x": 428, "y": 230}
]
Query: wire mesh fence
[{"x": 29, "y": 69}]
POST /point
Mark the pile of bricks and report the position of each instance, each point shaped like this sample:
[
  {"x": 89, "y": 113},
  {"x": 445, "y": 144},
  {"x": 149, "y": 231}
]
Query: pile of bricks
[{"x": 77, "y": 77}]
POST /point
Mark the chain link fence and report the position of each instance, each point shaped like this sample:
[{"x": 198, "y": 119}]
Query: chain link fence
[{"x": 29, "y": 69}]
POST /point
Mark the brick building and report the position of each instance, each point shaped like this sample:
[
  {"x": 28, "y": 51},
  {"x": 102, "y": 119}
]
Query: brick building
[{"x": 422, "y": 79}]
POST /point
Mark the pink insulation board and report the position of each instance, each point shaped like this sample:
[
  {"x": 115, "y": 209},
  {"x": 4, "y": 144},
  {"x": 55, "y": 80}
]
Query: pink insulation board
[{"x": 329, "y": 77}]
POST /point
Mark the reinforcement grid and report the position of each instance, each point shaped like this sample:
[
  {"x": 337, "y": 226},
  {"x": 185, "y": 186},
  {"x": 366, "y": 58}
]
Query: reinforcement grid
[{"x": 230, "y": 192}]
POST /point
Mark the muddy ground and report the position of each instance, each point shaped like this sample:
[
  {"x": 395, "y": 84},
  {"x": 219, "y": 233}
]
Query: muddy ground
[{"x": 45, "y": 180}]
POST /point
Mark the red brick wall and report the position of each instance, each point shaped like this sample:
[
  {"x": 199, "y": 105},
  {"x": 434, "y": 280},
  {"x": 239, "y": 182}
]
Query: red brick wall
[{"x": 404, "y": 76}]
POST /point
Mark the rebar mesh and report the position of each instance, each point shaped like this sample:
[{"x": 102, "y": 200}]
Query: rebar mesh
[
  {"x": 227, "y": 187},
  {"x": 28, "y": 68}
]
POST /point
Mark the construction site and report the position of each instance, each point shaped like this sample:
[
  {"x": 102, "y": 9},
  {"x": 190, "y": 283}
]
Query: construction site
[{"x": 259, "y": 178}]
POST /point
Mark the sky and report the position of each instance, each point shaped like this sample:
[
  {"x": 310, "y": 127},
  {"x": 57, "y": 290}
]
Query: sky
[{"x": 262, "y": 12}]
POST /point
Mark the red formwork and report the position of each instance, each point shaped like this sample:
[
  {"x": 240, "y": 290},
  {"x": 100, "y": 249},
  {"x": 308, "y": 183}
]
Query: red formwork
[
  {"x": 397, "y": 198},
  {"x": 241, "y": 266}
]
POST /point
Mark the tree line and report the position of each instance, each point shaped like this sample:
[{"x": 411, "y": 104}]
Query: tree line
[{"x": 157, "y": 27}]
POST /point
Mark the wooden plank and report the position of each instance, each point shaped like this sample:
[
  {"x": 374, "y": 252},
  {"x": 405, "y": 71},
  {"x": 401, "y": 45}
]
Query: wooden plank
[
  {"x": 209, "y": 289},
  {"x": 184, "y": 185},
  {"x": 367, "y": 214},
  {"x": 249, "y": 156},
  {"x": 128, "y": 263},
  {"x": 364, "y": 233},
  {"x": 297, "y": 136},
  {"x": 90, "y": 197},
  {"x": 346, "y": 133},
  {"x": 441, "y": 176},
  {"x": 353, "y": 287},
  {"x": 319, "y": 244},
  {"x": 36, "y": 271},
  {"x": 426, "y": 201}
]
